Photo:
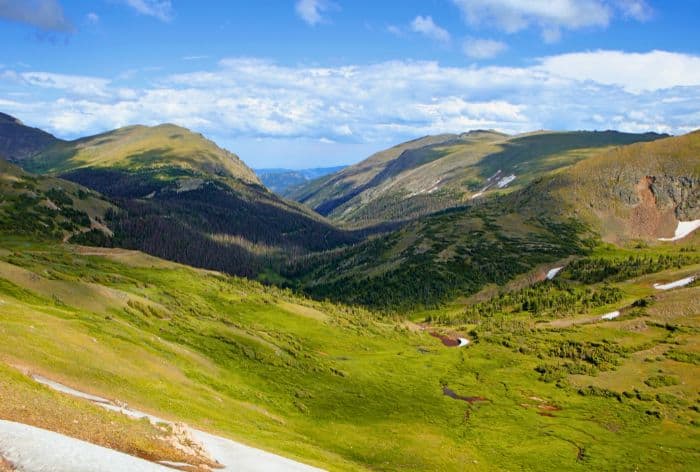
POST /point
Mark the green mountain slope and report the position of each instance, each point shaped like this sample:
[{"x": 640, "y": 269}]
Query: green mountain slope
[
  {"x": 18, "y": 141},
  {"x": 342, "y": 389},
  {"x": 143, "y": 149},
  {"x": 440, "y": 172},
  {"x": 46, "y": 207},
  {"x": 185, "y": 199},
  {"x": 639, "y": 191}
]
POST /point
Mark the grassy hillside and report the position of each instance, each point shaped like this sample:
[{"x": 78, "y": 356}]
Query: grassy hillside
[
  {"x": 342, "y": 389},
  {"x": 19, "y": 142},
  {"x": 639, "y": 191},
  {"x": 440, "y": 172},
  {"x": 183, "y": 198},
  {"x": 46, "y": 207},
  {"x": 143, "y": 148}
]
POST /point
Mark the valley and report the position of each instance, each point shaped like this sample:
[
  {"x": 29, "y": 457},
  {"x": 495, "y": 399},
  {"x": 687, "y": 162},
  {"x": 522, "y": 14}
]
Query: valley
[{"x": 547, "y": 321}]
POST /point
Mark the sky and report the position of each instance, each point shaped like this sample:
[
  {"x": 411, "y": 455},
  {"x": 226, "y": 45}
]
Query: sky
[{"x": 310, "y": 83}]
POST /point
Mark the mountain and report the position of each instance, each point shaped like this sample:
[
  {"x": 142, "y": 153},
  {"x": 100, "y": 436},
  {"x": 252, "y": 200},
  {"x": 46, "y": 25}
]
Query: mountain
[
  {"x": 439, "y": 172},
  {"x": 483, "y": 363},
  {"x": 559, "y": 375},
  {"x": 185, "y": 199},
  {"x": 45, "y": 207},
  {"x": 637, "y": 192},
  {"x": 159, "y": 150},
  {"x": 18, "y": 141},
  {"x": 285, "y": 181}
]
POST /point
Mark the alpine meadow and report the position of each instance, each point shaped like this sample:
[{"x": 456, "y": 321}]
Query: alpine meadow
[{"x": 460, "y": 235}]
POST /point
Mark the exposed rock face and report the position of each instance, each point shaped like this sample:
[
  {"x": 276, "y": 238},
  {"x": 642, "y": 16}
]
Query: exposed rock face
[
  {"x": 680, "y": 192},
  {"x": 18, "y": 142}
]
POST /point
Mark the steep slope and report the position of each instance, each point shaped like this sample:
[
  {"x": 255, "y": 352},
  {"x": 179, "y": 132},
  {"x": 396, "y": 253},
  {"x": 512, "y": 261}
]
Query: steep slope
[
  {"x": 18, "y": 141},
  {"x": 186, "y": 199},
  {"x": 47, "y": 207},
  {"x": 286, "y": 181},
  {"x": 639, "y": 191},
  {"x": 440, "y": 172}
]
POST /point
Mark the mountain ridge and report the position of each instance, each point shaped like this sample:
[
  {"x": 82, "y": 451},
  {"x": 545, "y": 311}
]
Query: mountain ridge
[{"x": 434, "y": 173}]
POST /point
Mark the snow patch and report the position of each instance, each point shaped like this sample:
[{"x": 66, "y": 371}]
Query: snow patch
[
  {"x": 610, "y": 316},
  {"x": 676, "y": 284},
  {"x": 65, "y": 389},
  {"x": 39, "y": 450},
  {"x": 553, "y": 272},
  {"x": 505, "y": 181},
  {"x": 232, "y": 455},
  {"x": 683, "y": 229},
  {"x": 463, "y": 342}
]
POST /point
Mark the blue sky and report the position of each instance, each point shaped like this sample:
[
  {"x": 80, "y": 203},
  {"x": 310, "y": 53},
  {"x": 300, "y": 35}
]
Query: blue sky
[{"x": 304, "y": 83}]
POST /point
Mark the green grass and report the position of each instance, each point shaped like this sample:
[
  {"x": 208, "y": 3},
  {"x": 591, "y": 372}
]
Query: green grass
[{"x": 340, "y": 388}]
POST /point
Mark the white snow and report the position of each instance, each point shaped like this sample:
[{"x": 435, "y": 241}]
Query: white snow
[
  {"x": 505, "y": 181},
  {"x": 38, "y": 450},
  {"x": 683, "y": 229},
  {"x": 238, "y": 457},
  {"x": 677, "y": 283},
  {"x": 463, "y": 342},
  {"x": 232, "y": 455},
  {"x": 610, "y": 316},
  {"x": 69, "y": 391},
  {"x": 553, "y": 272}
]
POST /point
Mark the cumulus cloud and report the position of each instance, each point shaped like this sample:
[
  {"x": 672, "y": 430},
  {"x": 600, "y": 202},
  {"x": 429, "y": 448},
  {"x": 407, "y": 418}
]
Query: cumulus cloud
[
  {"x": 635, "y": 72},
  {"x": 47, "y": 15},
  {"x": 426, "y": 26},
  {"x": 160, "y": 9},
  {"x": 244, "y": 99},
  {"x": 92, "y": 18},
  {"x": 550, "y": 16},
  {"x": 476, "y": 48},
  {"x": 311, "y": 11}
]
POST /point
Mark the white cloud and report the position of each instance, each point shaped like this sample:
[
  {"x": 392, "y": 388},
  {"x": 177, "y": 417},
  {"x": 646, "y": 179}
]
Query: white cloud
[
  {"x": 311, "y": 11},
  {"x": 427, "y": 27},
  {"x": 244, "y": 99},
  {"x": 46, "y": 15},
  {"x": 550, "y": 16},
  {"x": 635, "y": 72},
  {"x": 483, "y": 48},
  {"x": 635, "y": 9},
  {"x": 395, "y": 30},
  {"x": 92, "y": 18},
  {"x": 160, "y": 9},
  {"x": 70, "y": 84}
]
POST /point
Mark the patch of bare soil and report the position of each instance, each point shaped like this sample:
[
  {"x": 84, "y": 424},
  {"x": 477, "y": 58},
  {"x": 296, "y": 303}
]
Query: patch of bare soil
[
  {"x": 181, "y": 439},
  {"x": 448, "y": 341},
  {"x": 647, "y": 219},
  {"x": 452, "y": 394},
  {"x": 5, "y": 465}
]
